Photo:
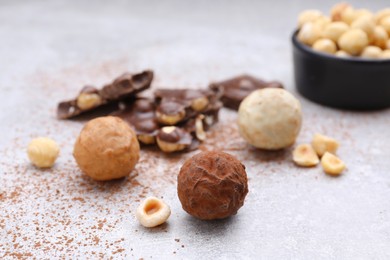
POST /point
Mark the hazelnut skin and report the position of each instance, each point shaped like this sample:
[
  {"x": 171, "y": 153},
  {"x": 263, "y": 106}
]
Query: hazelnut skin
[
  {"x": 106, "y": 149},
  {"x": 212, "y": 185}
]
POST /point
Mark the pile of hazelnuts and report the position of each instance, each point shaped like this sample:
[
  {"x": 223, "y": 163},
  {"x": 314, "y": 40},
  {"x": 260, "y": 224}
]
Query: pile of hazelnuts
[{"x": 348, "y": 32}]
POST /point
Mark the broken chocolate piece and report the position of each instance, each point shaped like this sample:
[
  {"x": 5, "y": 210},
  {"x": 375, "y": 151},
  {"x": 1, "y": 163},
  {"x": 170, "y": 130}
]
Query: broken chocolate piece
[
  {"x": 178, "y": 105},
  {"x": 141, "y": 115},
  {"x": 233, "y": 91},
  {"x": 124, "y": 87}
]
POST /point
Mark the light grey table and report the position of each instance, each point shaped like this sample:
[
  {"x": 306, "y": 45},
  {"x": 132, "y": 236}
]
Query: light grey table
[{"x": 49, "y": 49}]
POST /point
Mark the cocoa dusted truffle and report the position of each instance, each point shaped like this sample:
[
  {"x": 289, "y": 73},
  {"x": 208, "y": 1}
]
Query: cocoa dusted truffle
[
  {"x": 106, "y": 149},
  {"x": 212, "y": 185}
]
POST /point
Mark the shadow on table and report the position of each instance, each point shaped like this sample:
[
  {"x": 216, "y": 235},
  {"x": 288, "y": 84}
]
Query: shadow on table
[{"x": 213, "y": 228}]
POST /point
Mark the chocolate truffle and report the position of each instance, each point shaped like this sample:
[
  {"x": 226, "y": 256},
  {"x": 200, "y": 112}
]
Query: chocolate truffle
[
  {"x": 270, "y": 118},
  {"x": 106, "y": 149},
  {"x": 212, "y": 185}
]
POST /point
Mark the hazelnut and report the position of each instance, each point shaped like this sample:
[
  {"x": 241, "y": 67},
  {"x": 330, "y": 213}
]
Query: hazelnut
[
  {"x": 353, "y": 41},
  {"x": 372, "y": 52},
  {"x": 337, "y": 10},
  {"x": 146, "y": 139},
  {"x": 43, "y": 152},
  {"x": 382, "y": 14},
  {"x": 107, "y": 148},
  {"x": 366, "y": 24},
  {"x": 199, "y": 104},
  {"x": 385, "y": 23},
  {"x": 348, "y": 15},
  {"x": 304, "y": 155},
  {"x": 169, "y": 137},
  {"x": 322, "y": 22},
  {"x": 359, "y": 13},
  {"x": 385, "y": 54},
  {"x": 170, "y": 119},
  {"x": 309, "y": 33},
  {"x": 88, "y": 100},
  {"x": 325, "y": 45},
  {"x": 212, "y": 185},
  {"x": 322, "y": 144},
  {"x": 334, "y": 30},
  {"x": 342, "y": 54},
  {"x": 332, "y": 164},
  {"x": 152, "y": 212},
  {"x": 199, "y": 129},
  {"x": 380, "y": 37},
  {"x": 308, "y": 16},
  {"x": 270, "y": 118}
]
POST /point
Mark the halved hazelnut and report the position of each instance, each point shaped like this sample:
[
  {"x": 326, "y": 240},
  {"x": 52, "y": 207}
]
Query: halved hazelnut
[
  {"x": 88, "y": 100},
  {"x": 170, "y": 119},
  {"x": 146, "y": 139},
  {"x": 168, "y": 139},
  {"x": 199, "y": 104},
  {"x": 332, "y": 164},
  {"x": 322, "y": 144},
  {"x": 153, "y": 212},
  {"x": 199, "y": 130},
  {"x": 304, "y": 155}
]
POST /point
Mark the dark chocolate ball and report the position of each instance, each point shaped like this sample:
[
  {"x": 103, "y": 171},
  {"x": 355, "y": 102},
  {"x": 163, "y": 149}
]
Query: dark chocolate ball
[{"x": 212, "y": 185}]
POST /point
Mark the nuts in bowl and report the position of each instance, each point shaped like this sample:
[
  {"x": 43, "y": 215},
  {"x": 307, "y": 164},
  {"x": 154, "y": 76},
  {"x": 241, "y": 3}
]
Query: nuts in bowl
[
  {"x": 343, "y": 60},
  {"x": 355, "y": 32}
]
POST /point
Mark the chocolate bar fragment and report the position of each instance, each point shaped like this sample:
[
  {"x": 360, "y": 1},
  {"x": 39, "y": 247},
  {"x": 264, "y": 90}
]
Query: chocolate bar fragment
[
  {"x": 233, "y": 91},
  {"x": 124, "y": 87},
  {"x": 178, "y": 105},
  {"x": 142, "y": 115}
]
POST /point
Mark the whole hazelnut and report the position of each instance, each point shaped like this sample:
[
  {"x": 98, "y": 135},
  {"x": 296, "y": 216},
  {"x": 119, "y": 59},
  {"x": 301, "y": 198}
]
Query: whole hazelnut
[
  {"x": 365, "y": 23},
  {"x": 386, "y": 54},
  {"x": 212, "y": 185},
  {"x": 337, "y": 10},
  {"x": 325, "y": 45},
  {"x": 107, "y": 148},
  {"x": 353, "y": 41},
  {"x": 309, "y": 33},
  {"x": 43, "y": 152},
  {"x": 308, "y": 16},
  {"x": 334, "y": 30},
  {"x": 382, "y": 14},
  {"x": 380, "y": 37},
  {"x": 385, "y": 23},
  {"x": 270, "y": 118},
  {"x": 342, "y": 54},
  {"x": 372, "y": 52}
]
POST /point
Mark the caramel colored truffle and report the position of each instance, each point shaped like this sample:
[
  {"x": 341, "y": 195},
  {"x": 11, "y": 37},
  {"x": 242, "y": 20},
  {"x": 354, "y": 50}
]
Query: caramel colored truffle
[
  {"x": 106, "y": 149},
  {"x": 212, "y": 185}
]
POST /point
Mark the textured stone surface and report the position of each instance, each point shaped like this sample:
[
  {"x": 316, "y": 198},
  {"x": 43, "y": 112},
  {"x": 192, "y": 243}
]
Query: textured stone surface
[{"x": 49, "y": 50}]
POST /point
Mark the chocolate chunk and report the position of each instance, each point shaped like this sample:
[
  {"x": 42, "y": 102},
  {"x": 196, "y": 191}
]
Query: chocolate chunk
[
  {"x": 178, "y": 105},
  {"x": 124, "y": 87},
  {"x": 141, "y": 115},
  {"x": 233, "y": 91}
]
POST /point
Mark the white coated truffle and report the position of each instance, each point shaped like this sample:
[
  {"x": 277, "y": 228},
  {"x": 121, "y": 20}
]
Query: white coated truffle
[{"x": 270, "y": 118}]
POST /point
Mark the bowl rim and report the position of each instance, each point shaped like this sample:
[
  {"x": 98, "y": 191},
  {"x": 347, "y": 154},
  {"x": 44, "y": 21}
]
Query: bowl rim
[{"x": 331, "y": 57}]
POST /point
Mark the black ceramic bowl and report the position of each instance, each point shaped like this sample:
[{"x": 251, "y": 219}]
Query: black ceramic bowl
[{"x": 348, "y": 83}]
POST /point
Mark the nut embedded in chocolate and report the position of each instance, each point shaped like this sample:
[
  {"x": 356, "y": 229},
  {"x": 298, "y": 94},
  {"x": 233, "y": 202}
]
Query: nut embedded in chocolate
[
  {"x": 178, "y": 105},
  {"x": 89, "y": 98},
  {"x": 212, "y": 185},
  {"x": 233, "y": 91}
]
